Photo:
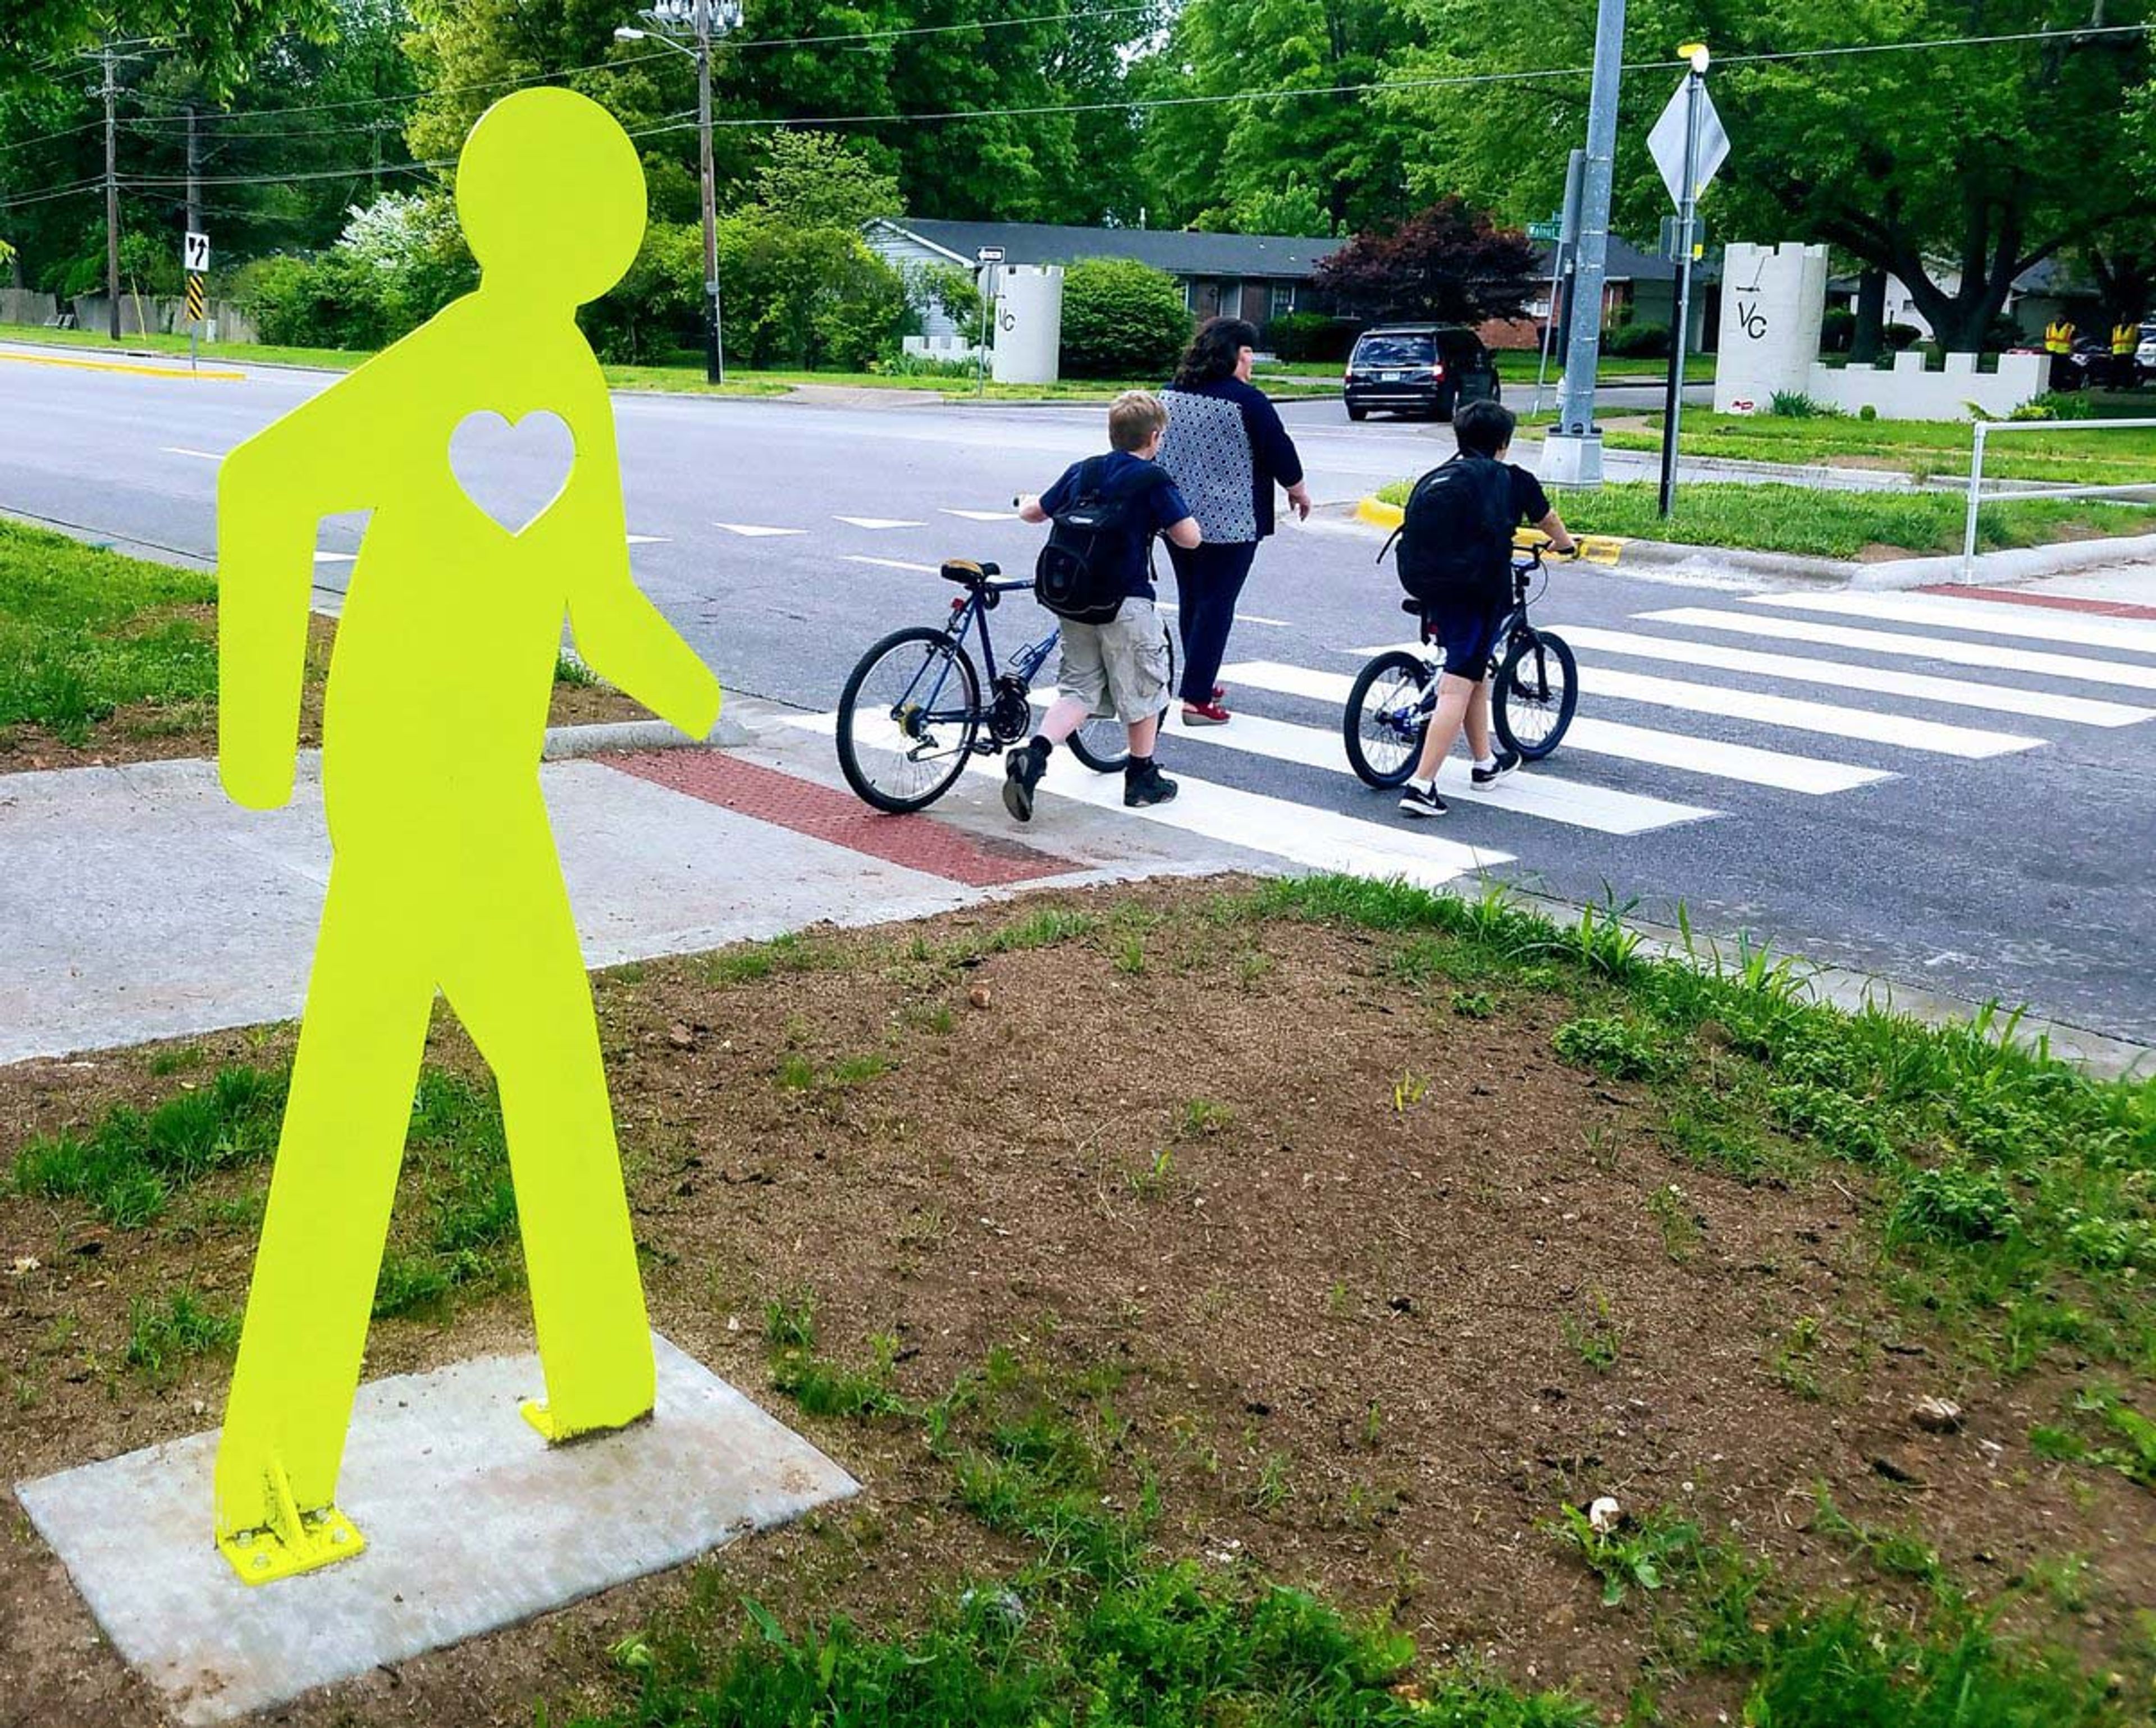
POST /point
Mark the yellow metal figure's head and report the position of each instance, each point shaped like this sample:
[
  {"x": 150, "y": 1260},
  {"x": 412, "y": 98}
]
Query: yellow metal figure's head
[{"x": 551, "y": 197}]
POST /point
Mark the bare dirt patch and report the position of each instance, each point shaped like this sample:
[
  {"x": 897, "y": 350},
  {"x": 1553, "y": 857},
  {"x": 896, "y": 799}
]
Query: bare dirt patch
[{"x": 1378, "y": 1282}]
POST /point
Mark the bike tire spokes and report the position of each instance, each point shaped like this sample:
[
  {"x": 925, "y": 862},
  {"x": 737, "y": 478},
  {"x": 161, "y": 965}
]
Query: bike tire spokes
[{"x": 911, "y": 723}]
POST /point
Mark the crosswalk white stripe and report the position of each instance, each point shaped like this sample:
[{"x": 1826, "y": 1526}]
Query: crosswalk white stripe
[
  {"x": 754, "y": 531},
  {"x": 1702, "y": 698},
  {"x": 1318, "y": 839},
  {"x": 879, "y": 522},
  {"x": 1546, "y": 797},
  {"x": 1989, "y": 617},
  {"x": 889, "y": 563},
  {"x": 1953, "y": 651},
  {"x": 1891, "y": 680},
  {"x": 1744, "y": 762}
]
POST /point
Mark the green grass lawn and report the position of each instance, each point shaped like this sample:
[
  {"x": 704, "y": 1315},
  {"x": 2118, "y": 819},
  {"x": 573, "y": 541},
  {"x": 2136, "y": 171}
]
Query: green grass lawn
[
  {"x": 1815, "y": 523},
  {"x": 84, "y": 632},
  {"x": 2051, "y": 450}
]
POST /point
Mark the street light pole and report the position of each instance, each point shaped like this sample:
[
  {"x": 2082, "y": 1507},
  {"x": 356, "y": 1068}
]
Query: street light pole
[
  {"x": 1680, "y": 328},
  {"x": 706, "y": 18},
  {"x": 1572, "y": 454},
  {"x": 111, "y": 204}
]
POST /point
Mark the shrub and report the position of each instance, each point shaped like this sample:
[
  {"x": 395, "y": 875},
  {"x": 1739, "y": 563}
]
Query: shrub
[
  {"x": 1611, "y": 1047},
  {"x": 1867, "y": 412},
  {"x": 1795, "y": 405},
  {"x": 1122, "y": 319},
  {"x": 1310, "y": 335},
  {"x": 1898, "y": 336},
  {"x": 1638, "y": 342},
  {"x": 1837, "y": 330},
  {"x": 2054, "y": 405}
]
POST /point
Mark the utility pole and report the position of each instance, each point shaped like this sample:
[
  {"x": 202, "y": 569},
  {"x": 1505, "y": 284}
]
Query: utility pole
[
  {"x": 374, "y": 134},
  {"x": 705, "y": 19},
  {"x": 194, "y": 174},
  {"x": 1572, "y": 454},
  {"x": 111, "y": 205}
]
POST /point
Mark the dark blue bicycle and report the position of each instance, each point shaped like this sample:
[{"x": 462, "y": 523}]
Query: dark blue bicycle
[{"x": 915, "y": 710}]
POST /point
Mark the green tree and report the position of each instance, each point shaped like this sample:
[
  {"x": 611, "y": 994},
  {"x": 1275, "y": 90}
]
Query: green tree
[
  {"x": 1955, "y": 168},
  {"x": 818, "y": 180},
  {"x": 1122, "y": 319}
]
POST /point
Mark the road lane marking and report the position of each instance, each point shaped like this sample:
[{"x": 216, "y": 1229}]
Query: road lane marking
[
  {"x": 1950, "y": 650},
  {"x": 321, "y": 557},
  {"x": 1985, "y": 617},
  {"x": 182, "y": 450},
  {"x": 1318, "y": 839},
  {"x": 1889, "y": 680},
  {"x": 889, "y": 563},
  {"x": 122, "y": 366},
  {"x": 880, "y": 522},
  {"x": 754, "y": 531},
  {"x": 1746, "y": 762},
  {"x": 648, "y": 539},
  {"x": 1548, "y": 797},
  {"x": 983, "y": 515}
]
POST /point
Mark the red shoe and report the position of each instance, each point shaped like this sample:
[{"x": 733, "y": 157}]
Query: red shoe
[
  {"x": 1205, "y": 714},
  {"x": 1220, "y": 694}
]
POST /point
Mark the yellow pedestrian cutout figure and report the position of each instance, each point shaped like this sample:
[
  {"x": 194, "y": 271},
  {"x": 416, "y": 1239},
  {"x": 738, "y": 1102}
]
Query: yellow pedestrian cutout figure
[{"x": 444, "y": 873}]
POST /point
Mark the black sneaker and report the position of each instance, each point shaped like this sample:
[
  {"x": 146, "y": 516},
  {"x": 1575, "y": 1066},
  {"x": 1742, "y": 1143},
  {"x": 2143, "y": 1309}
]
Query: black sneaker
[
  {"x": 1505, "y": 762},
  {"x": 1021, "y": 771},
  {"x": 1143, "y": 784},
  {"x": 1422, "y": 800}
]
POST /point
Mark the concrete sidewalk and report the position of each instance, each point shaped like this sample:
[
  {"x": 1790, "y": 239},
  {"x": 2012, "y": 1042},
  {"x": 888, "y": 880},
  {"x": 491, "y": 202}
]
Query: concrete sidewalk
[{"x": 150, "y": 906}]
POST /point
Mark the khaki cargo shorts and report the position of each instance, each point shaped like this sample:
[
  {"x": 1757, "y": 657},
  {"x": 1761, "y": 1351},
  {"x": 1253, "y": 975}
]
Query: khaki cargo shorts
[{"x": 1119, "y": 668}]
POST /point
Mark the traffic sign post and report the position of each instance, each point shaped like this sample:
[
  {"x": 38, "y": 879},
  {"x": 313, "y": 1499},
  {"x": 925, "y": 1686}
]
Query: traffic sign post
[
  {"x": 194, "y": 260},
  {"x": 1688, "y": 146},
  {"x": 1563, "y": 228},
  {"x": 984, "y": 262}
]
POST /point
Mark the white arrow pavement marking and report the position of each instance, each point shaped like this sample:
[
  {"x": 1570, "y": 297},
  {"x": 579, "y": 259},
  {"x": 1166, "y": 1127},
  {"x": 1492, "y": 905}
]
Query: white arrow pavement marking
[
  {"x": 201, "y": 455},
  {"x": 334, "y": 557},
  {"x": 879, "y": 522},
  {"x": 889, "y": 563},
  {"x": 983, "y": 515},
  {"x": 647, "y": 539},
  {"x": 751, "y": 530}
]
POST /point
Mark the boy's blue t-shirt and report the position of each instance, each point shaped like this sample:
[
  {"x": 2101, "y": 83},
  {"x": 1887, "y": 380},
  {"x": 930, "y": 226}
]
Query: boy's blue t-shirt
[{"x": 1157, "y": 510}]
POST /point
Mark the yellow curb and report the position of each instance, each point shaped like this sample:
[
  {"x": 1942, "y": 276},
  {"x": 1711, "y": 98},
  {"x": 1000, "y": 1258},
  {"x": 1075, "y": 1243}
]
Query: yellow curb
[
  {"x": 121, "y": 365},
  {"x": 1375, "y": 510}
]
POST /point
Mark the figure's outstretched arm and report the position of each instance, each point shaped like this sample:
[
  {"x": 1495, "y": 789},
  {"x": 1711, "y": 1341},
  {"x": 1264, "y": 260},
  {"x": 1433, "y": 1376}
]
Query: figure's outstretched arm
[
  {"x": 272, "y": 492},
  {"x": 621, "y": 635}
]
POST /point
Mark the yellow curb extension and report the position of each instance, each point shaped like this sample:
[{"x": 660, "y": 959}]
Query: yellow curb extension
[
  {"x": 123, "y": 365},
  {"x": 1593, "y": 548},
  {"x": 1379, "y": 514}
]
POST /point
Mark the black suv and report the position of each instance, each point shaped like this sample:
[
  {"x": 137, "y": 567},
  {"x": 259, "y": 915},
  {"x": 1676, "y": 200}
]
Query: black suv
[{"x": 1427, "y": 369}]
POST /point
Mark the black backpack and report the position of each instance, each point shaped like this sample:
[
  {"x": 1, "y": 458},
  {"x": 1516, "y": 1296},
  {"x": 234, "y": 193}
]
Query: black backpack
[
  {"x": 1079, "y": 575},
  {"x": 1456, "y": 530}
]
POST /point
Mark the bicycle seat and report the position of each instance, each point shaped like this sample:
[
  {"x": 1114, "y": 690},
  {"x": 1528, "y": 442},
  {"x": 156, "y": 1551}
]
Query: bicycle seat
[{"x": 966, "y": 571}]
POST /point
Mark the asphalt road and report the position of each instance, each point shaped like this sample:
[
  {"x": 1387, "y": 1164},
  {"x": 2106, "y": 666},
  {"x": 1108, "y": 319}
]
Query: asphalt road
[{"x": 1942, "y": 841}]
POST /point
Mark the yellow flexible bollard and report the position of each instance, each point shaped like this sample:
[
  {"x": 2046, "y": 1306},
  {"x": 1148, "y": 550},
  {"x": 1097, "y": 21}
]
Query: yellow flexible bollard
[{"x": 445, "y": 873}]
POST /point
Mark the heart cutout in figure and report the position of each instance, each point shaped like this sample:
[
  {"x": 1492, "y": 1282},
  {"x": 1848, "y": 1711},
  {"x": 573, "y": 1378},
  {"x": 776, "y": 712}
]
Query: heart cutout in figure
[{"x": 512, "y": 470}]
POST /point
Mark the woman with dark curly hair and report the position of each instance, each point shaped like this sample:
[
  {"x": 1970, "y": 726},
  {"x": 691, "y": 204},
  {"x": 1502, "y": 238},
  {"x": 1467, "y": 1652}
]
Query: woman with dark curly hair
[{"x": 1226, "y": 451}]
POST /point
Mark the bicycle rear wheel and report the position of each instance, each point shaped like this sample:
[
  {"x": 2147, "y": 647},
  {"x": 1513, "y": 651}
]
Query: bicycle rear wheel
[
  {"x": 1538, "y": 688},
  {"x": 1386, "y": 717},
  {"x": 908, "y": 718},
  {"x": 1104, "y": 745}
]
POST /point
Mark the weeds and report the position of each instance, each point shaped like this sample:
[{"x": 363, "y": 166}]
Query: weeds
[
  {"x": 162, "y": 1338},
  {"x": 1598, "y": 1340},
  {"x": 1626, "y": 1555},
  {"x": 1202, "y": 1116},
  {"x": 1680, "y": 1225},
  {"x": 1611, "y": 1047}
]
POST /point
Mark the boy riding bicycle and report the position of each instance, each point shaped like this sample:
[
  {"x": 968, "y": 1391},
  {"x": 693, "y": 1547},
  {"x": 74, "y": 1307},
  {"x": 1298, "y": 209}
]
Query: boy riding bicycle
[
  {"x": 1467, "y": 591},
  {"x": 1119, "y": 667}
]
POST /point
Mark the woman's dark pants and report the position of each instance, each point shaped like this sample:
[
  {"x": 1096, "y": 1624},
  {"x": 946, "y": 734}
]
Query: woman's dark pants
[{"x": 1208, "y": 579}]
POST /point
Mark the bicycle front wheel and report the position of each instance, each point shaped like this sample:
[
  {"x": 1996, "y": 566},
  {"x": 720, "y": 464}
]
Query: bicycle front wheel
[
  {"x": 1387, "y": 716},
  {"x": 1104, "y": 745},
  {"x": 908, "y": 718},
  {"x": 1538, "y": 688}
]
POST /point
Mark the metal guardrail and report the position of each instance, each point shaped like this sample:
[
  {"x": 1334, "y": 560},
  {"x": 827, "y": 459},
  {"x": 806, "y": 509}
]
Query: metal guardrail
[{"x": 1984, "y": 428}]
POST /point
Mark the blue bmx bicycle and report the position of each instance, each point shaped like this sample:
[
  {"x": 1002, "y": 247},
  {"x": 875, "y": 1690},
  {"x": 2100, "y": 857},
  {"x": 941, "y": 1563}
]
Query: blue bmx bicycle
[
  {"x": 915, "y": 711},
  {"x": 1531, "y": 703}
]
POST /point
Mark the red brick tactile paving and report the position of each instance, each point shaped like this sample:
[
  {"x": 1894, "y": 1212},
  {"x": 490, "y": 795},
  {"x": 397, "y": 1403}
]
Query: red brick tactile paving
[
  {"x": 919, "y": 842},
  {"x": 2059, "y": 603}
]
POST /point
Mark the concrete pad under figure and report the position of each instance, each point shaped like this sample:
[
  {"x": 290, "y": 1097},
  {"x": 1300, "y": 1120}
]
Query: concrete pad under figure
[{"x": 471, "y": 1520}]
